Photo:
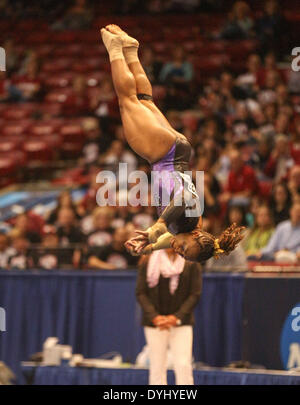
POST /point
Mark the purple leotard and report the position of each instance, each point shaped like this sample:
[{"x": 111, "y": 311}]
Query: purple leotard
[{"x": 170, "y": 187}]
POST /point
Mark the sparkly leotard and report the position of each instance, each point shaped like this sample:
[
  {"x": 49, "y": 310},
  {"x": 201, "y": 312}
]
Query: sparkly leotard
[{"x": 173, "y": 191}]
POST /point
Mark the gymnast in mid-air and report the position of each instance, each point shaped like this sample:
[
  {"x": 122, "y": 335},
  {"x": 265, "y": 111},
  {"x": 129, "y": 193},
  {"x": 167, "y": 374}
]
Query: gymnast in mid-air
[{"x": 151, "y": 136}]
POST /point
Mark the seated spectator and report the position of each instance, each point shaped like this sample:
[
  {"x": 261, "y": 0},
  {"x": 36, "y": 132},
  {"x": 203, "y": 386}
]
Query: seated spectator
[
  {"x": 92, "y": 144},
  {"x": 49, "y": 255},
  {"x": 279, "y": 161},
  {"x": 178, "y": 70},
  {"x": 113, "y": 256},
  {"x": 280, "y": 203},
  {"x": 247, "y": 80},
  {"x": 101, "y": 235},
  {"x": 239, "y": 24},
  {"x": 77, "y": 17},
  {"x": 286, "y": 238},
  {"x": 242, "y": 182},
  {"x": 63, "y": 201},
  {"x": 259, "y": 235},
  {"x": 236, "y": 214},
  {"x": 70, "y": 236},
  {"x": 6, "y": 251},
  {"x": 294, "y": 182},
  {"x": 295, "y": 143},
  {"x": 271, "y": 27},
  {"x": 20, "y": 260},
  {"x": 89, "y": 201},
  {"x": 118, "y": 153},
  {"x": 8, "y": 92},
  {"x": 77, "y": 102},
  {"x": 259, "y": 158},
  {"x": 269, "y": 65},
  {"x": 150, "y": 64},
  {"x": 29, "y": 84},
  {"x": 211, "y": 191},
  {"x": 22, "y": 228}
]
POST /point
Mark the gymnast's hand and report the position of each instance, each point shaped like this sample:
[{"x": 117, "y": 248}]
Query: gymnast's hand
[
  {"x": 154, "y": 232},
  {"x": 138, "y": 246}
]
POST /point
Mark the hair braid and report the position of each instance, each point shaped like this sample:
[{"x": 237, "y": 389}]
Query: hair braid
[{"x": 227, "y": 241}]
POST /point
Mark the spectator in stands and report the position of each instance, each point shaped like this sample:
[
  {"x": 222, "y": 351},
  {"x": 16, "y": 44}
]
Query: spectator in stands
[
  {"x": 112, "y": 256},
  {"x": 284, "y": 244},
  {"x": 240, "y": 24},
  {"x": 280, "y": 202},
  {"x": 295, "y": 143},
  {"x": 29, "y": 84},
  {"x": 269, "y": 65},
  {"x": 22, "y": 228},
  {"x": 168, "y": 289},
  {"x": 117, "y": 153},
  {"x": 70, "y": 236},
  {"x": 20, "y": 260},
  {"x": 6, "y": 251},
  {"x": 49, "y": 255},
  {"x": 101, "y": 234},
  {"x": 178, "y": 70},
  {"x": 77, "y": 102},
  {"x": 294, "y": 182},
  {"x": 259, "y": 158},
  {"x": 64, "y": 201},
  {"x": 77, "y": 17},
  {"x": 247, "y": 80},
  {"x": 259, "y": 235},
  {"x": 151, "y": 65},
  {"x": 236, "y": 214},
  {"x": 271, "y": 27},
  {"x": 279, "y": 161},
  {"x": 8, "y": 92},
  {"x": 242, "y": 182},
  {"x": 92, "y": 145}
]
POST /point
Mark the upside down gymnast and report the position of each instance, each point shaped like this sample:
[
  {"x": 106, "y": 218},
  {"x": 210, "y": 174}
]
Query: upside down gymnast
[{"x": 151, "y": 136}]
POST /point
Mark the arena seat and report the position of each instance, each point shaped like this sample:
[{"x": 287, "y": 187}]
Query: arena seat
[
  {"x": 58, "y": 96},
  {"x": 17, "y": 112},
  {"x": 41, "y": 129},
  {"x": 71, "y": 150},
  {"x": 8, "y": 145},
  {"x": 37, "y": 150},
  {"x": 14, "y": 128},
  {"x": 71, "y": 132},
  {"x": 58, "y": 65},
  {"x": 59, "y": 80},
  {"x": 51, "y": 109}
]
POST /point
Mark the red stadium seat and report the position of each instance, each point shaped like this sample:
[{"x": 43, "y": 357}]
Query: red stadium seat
[
  {"x": 37, "y": 150},
  {"x": 71, "y": 150},
  {"x": 14, "y": 129},
  {"x": 42, "y": 129},
  {"x": 8, "y": 145},
  {"x": 64, "y": 37},
  {"x": 72, "y": 132},
  {"x": 57, "y": 65},
  {"x": 94, "y": 78},
  {"x": 58, "y": 96},
  {"x": 18, "y": 112},
  {"x": 50, "y": 109},
  {"x": 59, "y": 80}
]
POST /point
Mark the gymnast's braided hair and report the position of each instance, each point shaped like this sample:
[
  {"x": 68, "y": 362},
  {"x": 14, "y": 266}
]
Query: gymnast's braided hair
[{"x": 211, "y": 246}]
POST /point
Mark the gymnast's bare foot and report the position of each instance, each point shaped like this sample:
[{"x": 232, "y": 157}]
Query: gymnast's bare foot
[{"x": 126, "y": 39}]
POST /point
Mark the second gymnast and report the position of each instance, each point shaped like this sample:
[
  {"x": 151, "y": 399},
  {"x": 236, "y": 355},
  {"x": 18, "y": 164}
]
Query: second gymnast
[{"x": 151, "y": 136}]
